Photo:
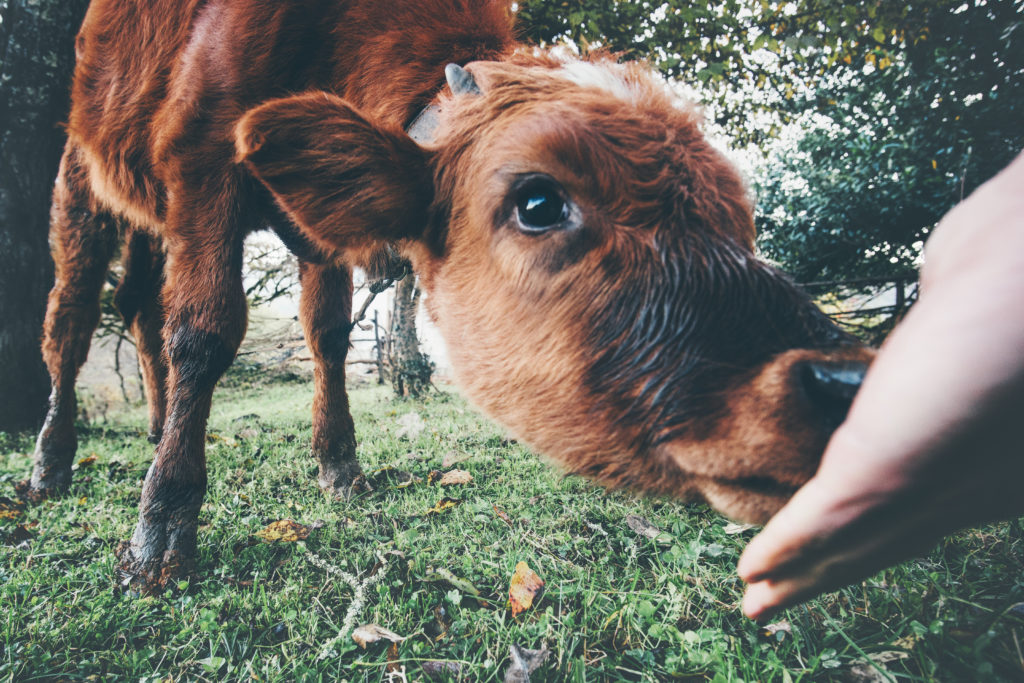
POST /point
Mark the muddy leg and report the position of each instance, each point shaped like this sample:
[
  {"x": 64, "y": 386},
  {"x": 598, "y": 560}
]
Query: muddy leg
[
  {"x": 138, "y": 300},
  {"x": 83, "y": 241},
  {"x": 206, "y": 315},
  {"x": 326, "y": 312}
]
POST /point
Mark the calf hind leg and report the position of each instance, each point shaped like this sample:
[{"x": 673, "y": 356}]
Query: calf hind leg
[
  {"x": 138, "y": 299},
  {"x": 326, "y": 311},
  {"x": 83, "y": 241}
]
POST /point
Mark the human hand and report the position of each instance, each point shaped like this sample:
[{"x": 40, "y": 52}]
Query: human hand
[{"x": 934, "y": 441}]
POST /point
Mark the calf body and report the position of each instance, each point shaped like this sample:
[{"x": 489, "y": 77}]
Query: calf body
[{"x": 585, "y": 251}]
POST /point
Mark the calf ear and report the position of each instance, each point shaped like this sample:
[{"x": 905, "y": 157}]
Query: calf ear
[{"x": 338, "y": 176}]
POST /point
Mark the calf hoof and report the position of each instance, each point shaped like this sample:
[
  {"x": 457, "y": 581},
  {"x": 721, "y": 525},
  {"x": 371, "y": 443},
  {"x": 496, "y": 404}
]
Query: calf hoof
[
  {"x": 148, "y": 576},
  {"x": 54, "y": 484},
  {"x": 343, "y": 480}
]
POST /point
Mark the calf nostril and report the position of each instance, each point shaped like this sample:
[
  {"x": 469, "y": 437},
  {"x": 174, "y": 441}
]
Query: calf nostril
[{"x": 832, "y": 386}]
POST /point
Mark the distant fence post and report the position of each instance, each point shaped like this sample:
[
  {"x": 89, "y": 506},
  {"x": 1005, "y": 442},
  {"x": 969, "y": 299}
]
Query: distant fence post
[
  {"x": 858, "y": 301},
  {"x": 379, "y": 349}
]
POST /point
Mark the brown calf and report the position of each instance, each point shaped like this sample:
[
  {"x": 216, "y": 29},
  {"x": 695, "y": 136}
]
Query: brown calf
[{"x": 588, "y": 255}]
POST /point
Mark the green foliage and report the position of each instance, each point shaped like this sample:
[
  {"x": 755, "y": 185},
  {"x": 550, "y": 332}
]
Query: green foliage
[
  {"x": 684, "y": 39},
  {"x": 616, "y": 605},
  {"x": 895, "y": 145},
  {"x": 748, "y": 57}
]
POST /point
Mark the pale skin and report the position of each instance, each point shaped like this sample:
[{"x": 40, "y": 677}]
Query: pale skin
[{"x": 934, "y": 441}]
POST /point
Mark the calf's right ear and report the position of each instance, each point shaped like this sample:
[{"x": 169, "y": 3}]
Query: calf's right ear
[{"x": 338, "y": 176}]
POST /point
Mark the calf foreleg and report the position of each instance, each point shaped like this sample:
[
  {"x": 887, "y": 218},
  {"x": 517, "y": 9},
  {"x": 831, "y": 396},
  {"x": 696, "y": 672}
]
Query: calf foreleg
[{"x": 206, "y": 315}]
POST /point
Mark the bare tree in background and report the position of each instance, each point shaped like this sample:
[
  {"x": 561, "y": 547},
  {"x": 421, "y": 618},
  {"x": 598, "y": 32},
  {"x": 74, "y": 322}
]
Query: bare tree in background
[
  {"x": 37, "y": 46},
  {"x": 411, "y": 369}
]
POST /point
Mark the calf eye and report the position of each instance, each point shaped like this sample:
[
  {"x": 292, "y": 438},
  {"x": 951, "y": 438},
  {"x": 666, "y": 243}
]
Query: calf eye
[{"x": 539, "y": 206}]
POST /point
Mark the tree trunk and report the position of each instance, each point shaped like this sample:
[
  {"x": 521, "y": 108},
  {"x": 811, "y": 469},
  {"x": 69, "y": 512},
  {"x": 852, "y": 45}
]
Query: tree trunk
[
  {"x": 410, "y": 367},
  {"x": 37, "y": 49}
]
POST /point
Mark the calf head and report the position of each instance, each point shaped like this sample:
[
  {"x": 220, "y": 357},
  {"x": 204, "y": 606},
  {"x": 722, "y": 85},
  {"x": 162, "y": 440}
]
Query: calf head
[{"x": 588, "y": 256}]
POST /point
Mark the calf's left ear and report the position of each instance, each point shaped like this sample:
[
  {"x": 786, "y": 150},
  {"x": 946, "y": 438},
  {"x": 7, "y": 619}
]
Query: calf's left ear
[{"x": 337, "y": 175}]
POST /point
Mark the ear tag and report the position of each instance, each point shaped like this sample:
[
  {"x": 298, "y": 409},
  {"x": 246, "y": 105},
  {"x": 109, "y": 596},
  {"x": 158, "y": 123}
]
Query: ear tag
[{"x": 424, "y": 126}]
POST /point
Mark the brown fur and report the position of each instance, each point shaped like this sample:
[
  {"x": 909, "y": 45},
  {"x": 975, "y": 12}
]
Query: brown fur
[{"x": 647, "y": 347}]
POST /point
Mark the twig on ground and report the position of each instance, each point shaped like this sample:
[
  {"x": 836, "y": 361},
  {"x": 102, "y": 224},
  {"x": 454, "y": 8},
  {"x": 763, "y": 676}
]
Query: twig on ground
[{"x": 359, "y": 589}]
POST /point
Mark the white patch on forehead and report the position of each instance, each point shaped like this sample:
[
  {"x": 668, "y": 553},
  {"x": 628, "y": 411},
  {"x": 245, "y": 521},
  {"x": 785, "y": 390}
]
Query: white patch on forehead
[{"x": 607, "y": 76}]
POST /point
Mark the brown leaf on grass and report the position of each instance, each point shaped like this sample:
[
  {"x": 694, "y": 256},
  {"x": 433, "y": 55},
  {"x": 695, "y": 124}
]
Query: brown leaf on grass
[
  {"x": 86, "y": 461},
  {"x": 908, "y": 642},
  {"x": 524, "y": 662},
  {"x": 524, "y": 587},
  {"x": 442, "y": 671},
  {"x": 443, "y": 505},
  {"x": 646, "y": 529},
  {"x": 393, "y": 666},
  {"x": 10, "y": 509},
  {"x": 213, "y": 437},
  {"x": 371, "y": 633},
  {"x": 284, "y": 531},
  {"x": 502, "y": 515},
  {"x": 456, "y": 478},
  {"x": 779, "y": 630}
]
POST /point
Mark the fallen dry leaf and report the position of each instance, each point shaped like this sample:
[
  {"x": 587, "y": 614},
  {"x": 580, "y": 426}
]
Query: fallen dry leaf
[
  {"x": 442, "y": 671},
  {"x": 446, "y": 575},
  {"x": 283, "y": 530},
  {"x": 443, "y": 505},
  {"x": 10, "y": 509},
  {"x": 393, "y": 665},
  {"x": 502, "y": 515},
  {"x": 872, "y": 669},
  {"x": 523, "y": 663},
  {"x": 908, "y": 642},
  {"x": 646, "y": 529},
  {"x": 86, "y": 461},
  {"x": 213, "y": 437},
  {"x": 371, "y": 633},
  {"x": 732, "y": 528},
  {"x": 410, "y": 426},
  {"x": 778, "y": 630},
  {"x": 525, "y": 585},
  {"x": 456, "y": 478}
]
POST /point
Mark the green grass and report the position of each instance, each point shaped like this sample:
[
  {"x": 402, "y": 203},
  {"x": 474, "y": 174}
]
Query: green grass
[{"x": 616, "y": 605}]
